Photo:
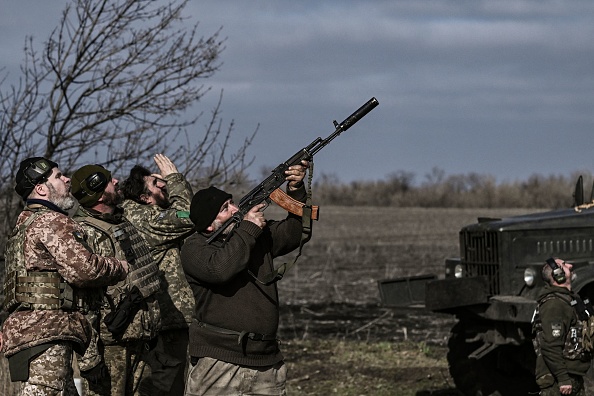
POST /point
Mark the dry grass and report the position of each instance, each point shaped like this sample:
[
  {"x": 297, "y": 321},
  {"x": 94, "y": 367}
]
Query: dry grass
[
  {"x": 382, "y": 352},
  {"x": 325, "y": 367},
  {"x": 354, "y": 247}
]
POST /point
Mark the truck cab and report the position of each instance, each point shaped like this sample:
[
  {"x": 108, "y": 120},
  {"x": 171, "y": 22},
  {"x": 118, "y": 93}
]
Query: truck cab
[{"x": 492, "y": 289}]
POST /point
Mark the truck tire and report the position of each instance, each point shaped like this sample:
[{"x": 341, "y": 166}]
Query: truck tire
[{"x": 501, "y": 372}]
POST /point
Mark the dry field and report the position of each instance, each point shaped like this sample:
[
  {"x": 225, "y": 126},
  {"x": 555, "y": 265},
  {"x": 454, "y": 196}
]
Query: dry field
[
  {"x": 339, "y": 338},
  {"x": 354, "y": 247}
]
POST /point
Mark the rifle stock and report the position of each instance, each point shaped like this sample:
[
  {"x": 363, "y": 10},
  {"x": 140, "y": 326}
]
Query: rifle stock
[{"x": 263, "y": 191}]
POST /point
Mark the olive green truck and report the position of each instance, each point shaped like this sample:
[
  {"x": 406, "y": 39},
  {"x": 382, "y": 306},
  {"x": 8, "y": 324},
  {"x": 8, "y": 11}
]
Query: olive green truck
[{"x": 492, "y": 288}]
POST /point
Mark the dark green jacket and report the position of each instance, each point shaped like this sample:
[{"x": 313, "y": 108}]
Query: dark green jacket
[
  {"x": 227, "y": 295},
  {"x": 558, "y": 318}
]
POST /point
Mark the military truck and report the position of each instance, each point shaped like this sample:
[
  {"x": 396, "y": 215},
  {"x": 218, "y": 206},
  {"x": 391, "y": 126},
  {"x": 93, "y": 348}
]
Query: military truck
[{"x": 492, "y": 287}]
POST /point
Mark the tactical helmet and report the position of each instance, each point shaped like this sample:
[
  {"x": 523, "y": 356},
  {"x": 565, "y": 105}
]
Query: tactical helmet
[
  {"x": 32, "y": 171},
  {"x": 88, "y": 184}
]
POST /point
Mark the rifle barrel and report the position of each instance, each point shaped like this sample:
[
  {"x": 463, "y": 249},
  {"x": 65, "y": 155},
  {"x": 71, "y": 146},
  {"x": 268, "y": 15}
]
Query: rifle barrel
[{"x": 263, "y": 190}]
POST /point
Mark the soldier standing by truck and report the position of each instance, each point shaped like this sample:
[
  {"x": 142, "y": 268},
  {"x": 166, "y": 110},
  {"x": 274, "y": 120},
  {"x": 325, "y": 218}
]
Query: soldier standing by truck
[
  {"x": 48, "y": 268},
  {"x": 558, "y": 324},
  {"x": 130, "y": 320}
]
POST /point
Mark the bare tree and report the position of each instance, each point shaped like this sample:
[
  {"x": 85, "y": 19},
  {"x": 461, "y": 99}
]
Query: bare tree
[{"x": 113, "y": 85}]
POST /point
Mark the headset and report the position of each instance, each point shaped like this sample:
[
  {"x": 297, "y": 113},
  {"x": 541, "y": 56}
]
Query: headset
[
  {"x": 558, "y": 272},
  {"x": 96, "y": 182},
  {"x": 92, "y": 184},
  {"x": 38, "y": 171}
]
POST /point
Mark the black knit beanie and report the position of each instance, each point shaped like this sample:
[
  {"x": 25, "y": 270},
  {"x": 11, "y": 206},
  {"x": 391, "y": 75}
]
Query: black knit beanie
[{"x": 206, "y": 205}]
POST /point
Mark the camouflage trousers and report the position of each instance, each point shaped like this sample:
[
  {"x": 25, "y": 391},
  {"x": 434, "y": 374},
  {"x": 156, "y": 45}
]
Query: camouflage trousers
[
  {"x": 50, "y": 374},
  {"x": 210, "y": 377},
  {"x": 144, "y": 368},
  {"x": 577, "y": 385},
  {"x": 126, "y": 369}
]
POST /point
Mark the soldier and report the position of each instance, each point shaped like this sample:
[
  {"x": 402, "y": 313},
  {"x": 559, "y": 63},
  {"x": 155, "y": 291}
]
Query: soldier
[
  {"x": 558, "y": 323},
  {"x": 233, "y": 343},
  {"x": 129, "y": 322},
  {"x": 48, "y": 265},
  {"x": 158, "y": 206}
]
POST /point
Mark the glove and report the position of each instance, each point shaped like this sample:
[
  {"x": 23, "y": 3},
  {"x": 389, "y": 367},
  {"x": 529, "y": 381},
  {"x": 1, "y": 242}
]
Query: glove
[
  {"x": 117, "y": 320},
  {"x": 96, "y": 374}
]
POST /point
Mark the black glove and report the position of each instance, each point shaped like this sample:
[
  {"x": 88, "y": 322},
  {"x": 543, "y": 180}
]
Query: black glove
[
  {"x": 117, "y": 320},
  {"x": 96, "y": 374}
]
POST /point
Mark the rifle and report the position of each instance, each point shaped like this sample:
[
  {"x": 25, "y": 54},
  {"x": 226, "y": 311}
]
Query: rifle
[{"x": 266, "y": 189}]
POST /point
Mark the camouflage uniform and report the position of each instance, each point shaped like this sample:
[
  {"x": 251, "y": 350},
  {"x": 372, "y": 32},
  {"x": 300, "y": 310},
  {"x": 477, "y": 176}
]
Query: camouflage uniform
[
  {"x": 43, "y": 339},
  {"x": 125, "y": 355},
  {"x": 557, "y": 331},
  {"x": 165, "y": 230}
]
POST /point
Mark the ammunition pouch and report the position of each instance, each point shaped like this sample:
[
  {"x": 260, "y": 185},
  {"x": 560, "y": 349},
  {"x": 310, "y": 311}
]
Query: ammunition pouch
[
  {"x": 118, "y": 320},
  {"x": 129, "y": 245},
  {"x": 41, "y": 291}
]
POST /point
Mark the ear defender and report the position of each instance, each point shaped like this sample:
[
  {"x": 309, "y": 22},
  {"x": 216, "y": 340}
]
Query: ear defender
[
  {"x": 558, "y": 273},
  {"x": 38, "y": 171},
  {"x": 96, "y": 182},
  {"x": 88, "y": 184}
]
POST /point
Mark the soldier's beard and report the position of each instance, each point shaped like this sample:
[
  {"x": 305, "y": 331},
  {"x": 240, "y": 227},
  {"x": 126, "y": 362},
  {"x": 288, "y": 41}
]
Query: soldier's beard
[
  {"x": 162, "y": 202},
  {"x": 63, "y": 201},
  {"x": 112, "y": 199},
  {"x": 216, "y": 225}
]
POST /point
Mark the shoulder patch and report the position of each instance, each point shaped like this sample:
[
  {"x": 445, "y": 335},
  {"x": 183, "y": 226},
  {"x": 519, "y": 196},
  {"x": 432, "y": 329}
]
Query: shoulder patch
[
  {"x": 182, "y": 214},
  {"x": 556, "y": 329},
  {"x": 80, "y": 238},
  {"x": 161, "y": 215}
]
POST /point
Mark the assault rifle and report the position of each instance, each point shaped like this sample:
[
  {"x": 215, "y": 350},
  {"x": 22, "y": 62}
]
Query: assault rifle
[{"x": 268, "y": 189}]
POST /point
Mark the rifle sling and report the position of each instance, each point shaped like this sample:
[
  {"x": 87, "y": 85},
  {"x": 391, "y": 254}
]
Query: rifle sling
[{"x": 306, "y": 232}]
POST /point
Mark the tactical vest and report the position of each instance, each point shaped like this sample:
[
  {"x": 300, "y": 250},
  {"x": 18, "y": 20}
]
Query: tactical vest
[
  {"x": 576, "y": 346},
  {"x": 129, "y": 245},
  {"x": 33, "y": 290}
]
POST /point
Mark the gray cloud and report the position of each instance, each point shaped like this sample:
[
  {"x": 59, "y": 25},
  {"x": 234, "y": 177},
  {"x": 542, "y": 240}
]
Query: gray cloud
[{"x": 499, "y": 87}]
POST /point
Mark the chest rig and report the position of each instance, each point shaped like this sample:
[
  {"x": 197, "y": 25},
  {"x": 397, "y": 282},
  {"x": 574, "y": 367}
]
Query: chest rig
[
  {"x": 577, "y": 345},
  {"x": 129, "y": 245},
  {"x": 33, "y": 290}
]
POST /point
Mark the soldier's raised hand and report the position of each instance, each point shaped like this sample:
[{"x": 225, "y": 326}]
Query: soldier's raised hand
[
  {"x": 295, "y": 174},
  {"x": 166, "y": 167}
]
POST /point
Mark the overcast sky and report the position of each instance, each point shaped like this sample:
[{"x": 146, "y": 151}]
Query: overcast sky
[{"x": 504, "y": 88}]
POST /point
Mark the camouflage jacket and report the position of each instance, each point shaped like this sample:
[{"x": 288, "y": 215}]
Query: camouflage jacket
[
  {"x": 146, "y": 322},
  {"x": 55, "y": 242},
  {"x": 165, "y": 231}
]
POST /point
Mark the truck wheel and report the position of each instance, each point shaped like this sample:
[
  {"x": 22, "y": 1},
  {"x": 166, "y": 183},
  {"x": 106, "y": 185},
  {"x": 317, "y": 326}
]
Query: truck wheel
[{"x": 502, "y": 371}]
